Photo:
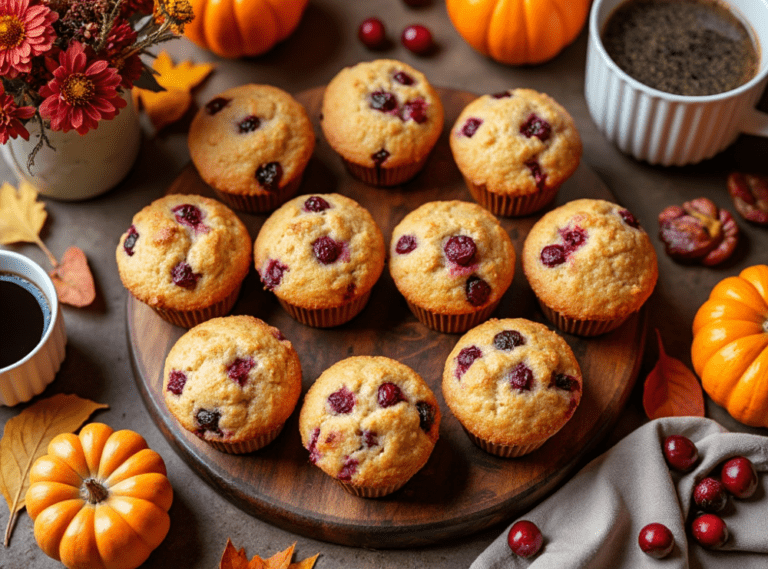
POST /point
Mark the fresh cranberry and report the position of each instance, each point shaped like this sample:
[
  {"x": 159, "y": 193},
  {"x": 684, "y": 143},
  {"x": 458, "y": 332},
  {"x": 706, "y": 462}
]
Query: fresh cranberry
[
  {"x": 538, "y": 174},
  {"x": 426, "y": 415},
  {"x": 316, "y": 204},
  {"x": 380, "y": 156},
  {"x": 416, "y": 110},
  {"x": 466, "y": 358},
  {"x": 470, "y": 126},
  {"x": 176, "y": 381},
  {"x": 372, "y": 33},
  {"x": 403, "y": 78},
  {"x": 389, "y": 394},
  {"x": 680, "y": 452},
  {"x": 208, "y": 420},
  {"x": 525, "y": 538},
  {"x": 418, "y": 39},
  {"x": 739, "y": 477},
  {"x": 573, "y": 239},
  {"x": 536, "y": 126},
  {"x": 183, "y": 276},
  {"x": 248, "y": 124},
  {"x": 629, "y": 219},
  {"x": 710, "y": 531},
  {"x": 383, "y": 101},
  {"x": 521, "y": 377},
  {"x": 314, "y": 454},
  {"x": 370, "y": 439},
  {"x": 348, "y": 469},
  {"x": 130, "y": 240},
  {"x": 460, "y": 249},
  {"x": 477, "y": 290},
  {"x": 326, "y": 250},
  {"x": 565, "y": 382},
  {"x": 238, "y": 370},
  {"x": 656, "y": 540},
  {"x": 273, "y": 275},
  {"x": 342, "y": 401},
  {"x": 501, "y": 95},
  {"x": 553, "y": 255},
  {"x": 269, "y": 175},
  {"x": 215, "y": 105},
  {"x": 189, "y": 215},
  {"x": 709, "y": 495},
  {"x": 405, "y": 244},
  {"x": 507, "y": 340}
]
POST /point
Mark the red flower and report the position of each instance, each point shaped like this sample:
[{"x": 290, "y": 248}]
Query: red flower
[
  {"x": 80, "y": 93},
  {"x": 10, "y": 125},
  {"x": 121, "y": 37},
  {"x": 25, "y": 32}
]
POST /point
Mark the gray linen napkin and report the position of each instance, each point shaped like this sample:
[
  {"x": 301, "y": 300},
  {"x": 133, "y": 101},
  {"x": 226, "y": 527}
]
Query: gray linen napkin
[{"x": 593, "y": 521}]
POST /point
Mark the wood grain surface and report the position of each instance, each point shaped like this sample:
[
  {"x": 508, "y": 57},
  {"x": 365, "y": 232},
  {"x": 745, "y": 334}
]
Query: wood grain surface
[{"x": 461, "y": 489}]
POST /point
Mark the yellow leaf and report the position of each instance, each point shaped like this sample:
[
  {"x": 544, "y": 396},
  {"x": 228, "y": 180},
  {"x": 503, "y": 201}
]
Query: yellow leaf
[
  {"x": 26, "y": 437},
  {"x": 185, "y": 76},
  {"x": 21, "y": 215}
]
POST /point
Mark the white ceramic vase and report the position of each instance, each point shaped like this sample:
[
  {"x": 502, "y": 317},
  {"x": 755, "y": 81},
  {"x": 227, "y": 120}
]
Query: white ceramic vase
[{"x": 79, "y": 166}]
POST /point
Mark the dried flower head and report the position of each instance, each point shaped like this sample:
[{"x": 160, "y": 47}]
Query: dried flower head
[{"x": 178, "y": 12}]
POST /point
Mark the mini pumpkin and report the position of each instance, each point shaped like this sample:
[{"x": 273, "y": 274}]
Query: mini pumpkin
[
  {"x": 518, "y": 32},
  {"x": 99, "y": 499},
  {"x": 730, "y": 345},
  {"x": 240, "y": 28}
]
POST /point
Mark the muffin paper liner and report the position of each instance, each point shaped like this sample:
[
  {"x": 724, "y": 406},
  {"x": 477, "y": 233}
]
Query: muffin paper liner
[
  {"x": 384, "y": 176},
  {"x": 581, "y": 327},
  {"x": 505, "y": 451},
  {"x": 260, "y": 203},
  {"x": 511, "y": 206},
  {"x": 363, "y": 492},
  {"x": 247, "y": 446},
  {"x": 452, "y": 323},
  {"x": 191, "y": 318},
  {"x": 326, "y": 317}
]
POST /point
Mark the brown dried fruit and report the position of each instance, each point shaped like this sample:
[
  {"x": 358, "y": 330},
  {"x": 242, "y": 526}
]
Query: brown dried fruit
[
  {"x": 698, "y": 231},
  {"x": 750, "y": 196}
]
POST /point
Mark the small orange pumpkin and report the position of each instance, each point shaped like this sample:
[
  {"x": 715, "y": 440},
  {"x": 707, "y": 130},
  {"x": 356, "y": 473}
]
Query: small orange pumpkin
[
  {"x": 99, "y": 499},
  {"x": 240, "y": 28},
  {"x": 518, "y": 31},
  {"x": 730, "y": 345}
]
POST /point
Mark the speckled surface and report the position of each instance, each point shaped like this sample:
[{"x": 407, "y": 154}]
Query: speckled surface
[{"x": 98, "y": 364}]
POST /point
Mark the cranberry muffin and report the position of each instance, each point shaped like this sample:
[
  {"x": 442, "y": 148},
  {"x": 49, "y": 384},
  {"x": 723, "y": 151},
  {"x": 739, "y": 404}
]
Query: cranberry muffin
[
  {"x": 186, "y": 257},
  {"x": 371, "y": 423},
  {"x": 383, "y": 118},
  {"x": 515, "y": 149},
  {"x": 590, "y": 265},
  {"x": 233, "y": 382},
  {"x": 320, "y": 255},
  {"x": 512, "y": 384},
  {"x": 251, "y": 144},
  {"x": 452, "y": 261}
]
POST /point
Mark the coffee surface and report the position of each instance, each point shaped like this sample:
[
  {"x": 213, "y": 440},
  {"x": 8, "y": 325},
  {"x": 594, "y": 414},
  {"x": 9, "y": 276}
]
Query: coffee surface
[
  {"x": 24, "y": 317},
  {"x": 686, "y": 47}
]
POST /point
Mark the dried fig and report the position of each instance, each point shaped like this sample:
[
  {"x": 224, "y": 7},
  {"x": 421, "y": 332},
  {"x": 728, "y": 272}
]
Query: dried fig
[{"x": 750, "y": 196}]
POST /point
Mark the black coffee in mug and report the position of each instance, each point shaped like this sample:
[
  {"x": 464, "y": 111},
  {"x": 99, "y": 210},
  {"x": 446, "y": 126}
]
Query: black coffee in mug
[
  {"x": 24, "y": 317},
  {"x": 685, "y": 47}
]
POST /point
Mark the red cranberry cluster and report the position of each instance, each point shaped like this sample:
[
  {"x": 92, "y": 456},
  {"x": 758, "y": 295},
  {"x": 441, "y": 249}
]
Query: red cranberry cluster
[{"x": 415, "y": 37}]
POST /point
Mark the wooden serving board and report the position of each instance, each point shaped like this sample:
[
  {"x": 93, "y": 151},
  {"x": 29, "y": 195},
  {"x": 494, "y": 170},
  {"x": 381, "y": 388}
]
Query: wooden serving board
[{"x": 461, "y": 489}]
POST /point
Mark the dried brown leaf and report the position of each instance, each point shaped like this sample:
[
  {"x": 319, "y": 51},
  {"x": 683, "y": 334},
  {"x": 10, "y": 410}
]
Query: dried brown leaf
[
  {"x": 232, "y": 558},
  {"x": 73, "y": 279},
  {"x": 671, "y": 389},
  {"x": 26, "y": 437},
  {"x": 236, "y": 559}
]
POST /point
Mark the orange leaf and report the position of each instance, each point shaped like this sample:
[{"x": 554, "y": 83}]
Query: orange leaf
[
  {"x": 234, "y": 559},
  {"x": 73, "y": 279},
  {"x": 671, "y": 389}
]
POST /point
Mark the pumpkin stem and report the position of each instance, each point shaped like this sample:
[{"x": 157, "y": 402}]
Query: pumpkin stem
[
  {"x": 765, "y": 325},
  {"x": 94, "y": 492}
]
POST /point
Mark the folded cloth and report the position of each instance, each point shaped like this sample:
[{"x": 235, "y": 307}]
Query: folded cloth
[{"x": 593, "y": 521}]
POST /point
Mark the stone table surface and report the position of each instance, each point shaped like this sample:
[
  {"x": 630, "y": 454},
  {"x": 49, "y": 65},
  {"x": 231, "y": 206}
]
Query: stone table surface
[{"x": 98, "y": 364}]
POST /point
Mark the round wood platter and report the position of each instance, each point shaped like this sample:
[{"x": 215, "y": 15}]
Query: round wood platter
[{"x": 461, "y": 489}]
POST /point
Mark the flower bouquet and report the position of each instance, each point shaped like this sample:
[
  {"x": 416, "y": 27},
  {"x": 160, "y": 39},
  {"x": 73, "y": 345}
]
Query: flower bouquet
[{"x": 67, "y": 63}]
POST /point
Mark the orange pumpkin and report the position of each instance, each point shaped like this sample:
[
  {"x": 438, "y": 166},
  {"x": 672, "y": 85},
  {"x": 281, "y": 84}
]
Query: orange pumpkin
[
  {"x": 239, "y": 28},
  {"x": 99, "y": 499},
  {"x": 730, "y": 345},
  {"x": 518, "y": 31}
]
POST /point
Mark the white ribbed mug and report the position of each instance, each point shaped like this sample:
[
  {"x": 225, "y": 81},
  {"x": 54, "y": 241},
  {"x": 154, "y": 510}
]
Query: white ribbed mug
[
  {"x": 29, "y": 376},
  {"x": 667, "y": 129}
]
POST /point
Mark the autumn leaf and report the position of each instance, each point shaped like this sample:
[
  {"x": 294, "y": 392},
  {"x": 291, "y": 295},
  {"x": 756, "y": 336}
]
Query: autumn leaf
[
  {"x": 25, "y": 439},
  {"x": 22, "y": 217},
  {"x": 166, "y": 107},
  {"x": 671, "y": 389},
  {"x": 233, "y": 558},
  {"x": 73, "y": 279}
]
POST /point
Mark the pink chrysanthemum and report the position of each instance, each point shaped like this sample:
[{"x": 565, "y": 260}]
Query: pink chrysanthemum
[
  {"x": 80, "y": 93},
  {"x": 25, "y": 32},
  {"x": 10, "y": 115}
]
